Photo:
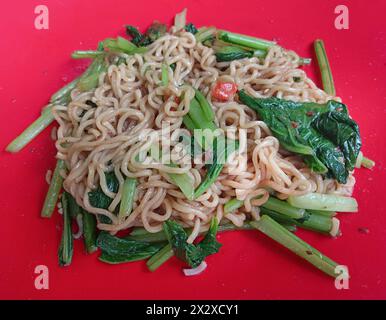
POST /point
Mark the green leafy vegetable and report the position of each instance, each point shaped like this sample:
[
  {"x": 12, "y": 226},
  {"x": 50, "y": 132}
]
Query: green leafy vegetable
[
  {"x": 97, "y": 197},
  {"x": 222, "y": 148},
  {"x": 324, "y": 134},
  {"x": 230, "y": 53},
  {"x": 117, "y": 250},
  {"x": 154, "y": 32},
  {"x": 190, "y": 27},
  {"x": 192, "y": 254},
  {"x": 66, "y": 248}
]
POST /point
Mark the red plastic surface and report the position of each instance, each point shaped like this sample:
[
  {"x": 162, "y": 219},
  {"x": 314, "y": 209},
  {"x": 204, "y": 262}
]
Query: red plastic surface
[{"x": 35, "y": 63}]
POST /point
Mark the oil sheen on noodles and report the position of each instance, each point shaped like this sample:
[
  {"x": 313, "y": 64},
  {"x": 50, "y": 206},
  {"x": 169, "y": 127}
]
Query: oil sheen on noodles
[{"x": 130, "y": 100}]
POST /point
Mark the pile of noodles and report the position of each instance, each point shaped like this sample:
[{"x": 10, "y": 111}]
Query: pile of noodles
[{"x": 131, "y": 100}]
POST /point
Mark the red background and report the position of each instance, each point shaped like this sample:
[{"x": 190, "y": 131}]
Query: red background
[{"x": 35, "y": 63}]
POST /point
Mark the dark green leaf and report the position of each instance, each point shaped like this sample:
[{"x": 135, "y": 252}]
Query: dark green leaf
[
  {"x": 154, "y": 32},
  {"x": 230, "y": 53},
  {"x": 190, "y": 27},
  {"x": 323, "y": 134},
  {"x": 192, "y": 254},
  {"x": 117, "y": 250},
  {"x": 99, "y": 199}
]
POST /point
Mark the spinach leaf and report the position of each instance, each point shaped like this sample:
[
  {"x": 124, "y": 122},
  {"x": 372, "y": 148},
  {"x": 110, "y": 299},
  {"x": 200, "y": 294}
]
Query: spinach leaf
[
  {"x": 192, "y": 254},
  {"x": 154, "y": 32},
  {"x": 98, "y": 199},
  {"x": 118, "y": 250},
  {"x": 324, "y": 134},
  {"x": 230, "y": 53},
  {"x": 190, "y": 27}
]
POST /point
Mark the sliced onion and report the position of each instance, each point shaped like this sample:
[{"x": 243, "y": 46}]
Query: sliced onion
[{"x": 195, "y": 271}]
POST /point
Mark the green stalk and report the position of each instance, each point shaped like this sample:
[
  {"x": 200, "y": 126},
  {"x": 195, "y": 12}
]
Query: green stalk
[
  {"x": 310, "y": 221},
  {"x": 232, "y": 205},
  {"x": 89, "y": 232},
  {"x": 184, "y": 182},
  {"x": 164, "y": 75},
  {"x": 63, "y": 94},
  {"x": 205, "y": 33},
  {"x": 325, "y": 202},
  {"x": 128, "y": 193},
  {"x": 86, "y": 54},
  {"x": 160, "y": 258},
  {"x": 198, "y": 116},
  {"x": 324, "y": 66},
  {"x": 322, "y": 213},
  {"x": 367, "y": 163},
  {"x": 205, "y": 106},
  {"x": 53, "y": 191},
  {"x": 245, "y": 41},
  {"x": 66, "y": 249},
  {"x": 275, "y": 231},
  {"x": 284, "y": 208},
  {"x": 32, "y": 131}
]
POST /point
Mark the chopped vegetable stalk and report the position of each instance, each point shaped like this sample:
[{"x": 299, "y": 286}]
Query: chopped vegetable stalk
[
  {"x": 358, "y": 163},
  {"x": 205, "y": 33},
  {"x": 284, "y": 208},
  {"x": 205, "y": 106},
  {"x": 245, "y": 41},
  {"x": 32, "y": 131},
  {"x": 309, "y": 221},
  {"x": 180, "y": 20},
  {"x": 325, "y": 202},
  {"x": 66, "y": 244},
  {"x": 275, "y": 231},
  {"x": 232, "y": 205},
  {"x": 198, "y": 116},
  {"x": 324, "y": 66},
  {"x": 165, "y": 75},
  {"x": 160, "y": 257},
  {"x": 128, "y": 194},
  {"x": 367, "y": 163},
  {"x": 184, "y": 182},
  {"x": 87, "y": 54},
  {"x": 62, "y": 96},
  {"x": 53, "y": 191},
  {"x": 89, "y": 231},
  {"x": 122, "y": 45},
  {"x": 322, "y": 213}
]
